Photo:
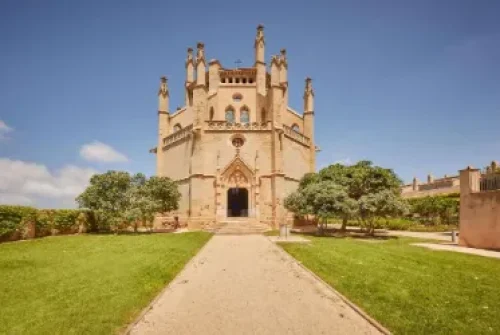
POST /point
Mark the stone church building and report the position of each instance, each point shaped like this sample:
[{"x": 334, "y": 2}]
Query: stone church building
[{"x": 236, "y": 149}]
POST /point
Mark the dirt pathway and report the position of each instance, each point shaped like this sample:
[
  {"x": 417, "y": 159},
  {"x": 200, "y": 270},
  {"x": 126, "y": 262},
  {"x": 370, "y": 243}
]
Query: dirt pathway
[{"x": 246, "y": 285}]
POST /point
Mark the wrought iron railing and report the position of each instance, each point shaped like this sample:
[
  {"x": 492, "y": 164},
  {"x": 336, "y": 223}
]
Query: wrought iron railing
[{"x": 490, "y": 182}]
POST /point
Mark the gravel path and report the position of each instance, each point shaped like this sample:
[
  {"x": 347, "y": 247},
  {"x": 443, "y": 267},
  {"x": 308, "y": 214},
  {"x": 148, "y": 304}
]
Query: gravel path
[{"x": 246, "y": 285}]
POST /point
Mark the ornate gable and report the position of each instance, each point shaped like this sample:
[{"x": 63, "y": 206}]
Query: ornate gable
[{"x": 237, "y": 174}]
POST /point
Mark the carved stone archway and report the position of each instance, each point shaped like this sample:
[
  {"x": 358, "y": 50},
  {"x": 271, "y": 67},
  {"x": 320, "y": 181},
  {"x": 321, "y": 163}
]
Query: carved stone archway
[{"x": 236, "y": 175}]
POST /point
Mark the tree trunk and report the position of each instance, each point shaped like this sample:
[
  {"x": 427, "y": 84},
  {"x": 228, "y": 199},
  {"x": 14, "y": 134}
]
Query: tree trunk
[{"x": 344, "y": 224}]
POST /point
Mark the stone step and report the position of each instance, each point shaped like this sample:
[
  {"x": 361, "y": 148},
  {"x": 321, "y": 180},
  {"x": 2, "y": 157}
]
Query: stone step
[{"x": 242, "y": 226}]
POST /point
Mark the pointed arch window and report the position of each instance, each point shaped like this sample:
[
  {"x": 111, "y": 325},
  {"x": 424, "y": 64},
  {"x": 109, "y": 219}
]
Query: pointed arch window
[
  {"x": 177, "y": 127},
  {"x": 296, "y": 128},
  {"x": 244, "y": 115},
  {"x": 230, "y": 115},
  {"x": 211, "y": 116}
]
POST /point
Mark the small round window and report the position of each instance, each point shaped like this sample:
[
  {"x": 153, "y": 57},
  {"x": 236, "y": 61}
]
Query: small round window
[
  {"x": 237, "y": 97},
  {"x": 238, "y": 141}
]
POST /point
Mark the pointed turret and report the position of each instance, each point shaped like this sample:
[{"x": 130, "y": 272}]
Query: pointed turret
[
  {"x": 163, "y": 122},
  {"x": 163, "y": 96},
  {"x": 275, "y": 70},
  {"x": 259, "y": 45},
  {"x": 213, "y": 75},
  {"x": 283, "y": 67},
  {"x": 308, "y": 97},
  {"x": 189, "y": 66},
  {"x": 200, "y": 64},
  {"x": 284, "y": 75},
  {"x": 260, "y": 64},
  {"x": 309, "y": 120}
]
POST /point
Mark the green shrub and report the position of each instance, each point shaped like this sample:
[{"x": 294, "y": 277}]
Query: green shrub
[
  {"x": 65, "y": 220},
  {"x": 436, "y": 210},
  {"x": 44, "y": 222},
  {"x": 13, "y": 219}
]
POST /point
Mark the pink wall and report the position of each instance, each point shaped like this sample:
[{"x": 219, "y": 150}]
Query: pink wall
[{"x": 479, "y": 213}]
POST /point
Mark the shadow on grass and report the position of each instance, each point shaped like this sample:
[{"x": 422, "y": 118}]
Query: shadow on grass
[{"x": 132, "y": 233}]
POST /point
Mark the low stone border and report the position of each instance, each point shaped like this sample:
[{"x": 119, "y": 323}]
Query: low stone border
[
  {"x": 141, "y": 315},
  {"x": 357, "y": 309}
]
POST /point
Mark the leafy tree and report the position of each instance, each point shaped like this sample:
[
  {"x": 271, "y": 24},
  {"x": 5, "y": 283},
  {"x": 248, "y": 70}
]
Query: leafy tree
[
  {"x": 361, "y": 179},
  {"x": 107, "y": 196},
  {"x": 296, "y": 202},
  {"x": 434, "y": 208},
  {"x": 383, "y": 204},
  {"x": 116, "y": 197},
  {"x": 164, "y": 192},
  {"x": 330, "y": 200},
  {"x": 141, "y": 207},
  {"x": 323, "y": 200},
  {"x": 308, "y": 178}
]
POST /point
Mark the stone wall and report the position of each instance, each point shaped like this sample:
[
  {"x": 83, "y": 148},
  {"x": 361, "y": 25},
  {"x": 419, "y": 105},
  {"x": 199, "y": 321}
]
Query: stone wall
[
  {"x": 479, "y": 212},
  {"x": 432, "y": 187}
]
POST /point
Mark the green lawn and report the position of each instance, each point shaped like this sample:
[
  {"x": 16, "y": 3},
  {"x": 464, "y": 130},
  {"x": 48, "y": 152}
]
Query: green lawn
[
  {"x": 409, "y": 289},
  {"x": 93, "y": 284}
]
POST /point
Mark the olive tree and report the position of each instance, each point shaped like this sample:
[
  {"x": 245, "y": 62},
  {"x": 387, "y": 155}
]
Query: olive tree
[
  {"x": 116, "y": 197},
  {"x": 323, "y": 200},
  {"x": 383, "y": 204}
]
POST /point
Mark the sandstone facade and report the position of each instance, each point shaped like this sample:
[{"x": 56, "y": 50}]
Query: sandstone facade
[
  {"x": 480, "y": 209},
  {"x": 236, "y": 148}
]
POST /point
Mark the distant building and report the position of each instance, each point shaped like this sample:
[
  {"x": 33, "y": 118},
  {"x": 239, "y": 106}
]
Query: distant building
[
  {"x": 439, "y": 186},
  {"x": 236, "y": 148}
]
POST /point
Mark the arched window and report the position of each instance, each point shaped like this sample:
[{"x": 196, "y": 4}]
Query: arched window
[
  {"x": 244, "y": 115},
  {"x": 263, "y": 116},
  {"x": 230, "y": 115},
  {"x": 295, "y": 128},
  {"x": 177, "y": 127},
  {"x": 211, "y": 116}
]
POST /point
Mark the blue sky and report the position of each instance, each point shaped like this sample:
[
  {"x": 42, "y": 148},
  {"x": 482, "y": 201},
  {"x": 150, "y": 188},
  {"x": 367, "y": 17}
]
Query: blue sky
[{"x": 410, "y": 85}]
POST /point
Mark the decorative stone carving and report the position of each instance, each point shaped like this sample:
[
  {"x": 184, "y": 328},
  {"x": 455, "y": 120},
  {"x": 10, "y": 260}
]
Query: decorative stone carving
[
  {"x": 163, "y": 91},
  {"x": 223, "y": 125},
  {"x": 177, "y": 136},
  {"x": 200, "y": 54},
  {"x": 238, "y": 178},
  {"x": 295, "y": 135}
]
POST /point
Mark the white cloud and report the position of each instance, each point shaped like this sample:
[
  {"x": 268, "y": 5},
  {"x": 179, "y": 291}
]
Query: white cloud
[
  {"x": 27, "y": 183},
  {"x": 4, "y": 129},
  {"x": 100, "y": 152}
]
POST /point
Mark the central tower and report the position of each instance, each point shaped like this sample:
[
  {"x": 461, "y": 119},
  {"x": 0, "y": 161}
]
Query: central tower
[{"x": 236, "y": 149}]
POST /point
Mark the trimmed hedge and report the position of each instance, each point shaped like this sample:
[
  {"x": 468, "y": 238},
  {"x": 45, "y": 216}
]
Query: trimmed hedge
[
  {"x": 13, "y": 221},
  {"x": 436, "y": 210}
]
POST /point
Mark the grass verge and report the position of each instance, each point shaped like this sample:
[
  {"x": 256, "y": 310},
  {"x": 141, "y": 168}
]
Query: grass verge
[
  {"x": 93, "y": 284},
  {"x": 409, "y": 289}
]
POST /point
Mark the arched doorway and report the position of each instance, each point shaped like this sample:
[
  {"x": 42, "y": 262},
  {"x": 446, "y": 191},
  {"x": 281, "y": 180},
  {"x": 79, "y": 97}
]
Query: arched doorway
[{"x": 237, "y": 202}]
